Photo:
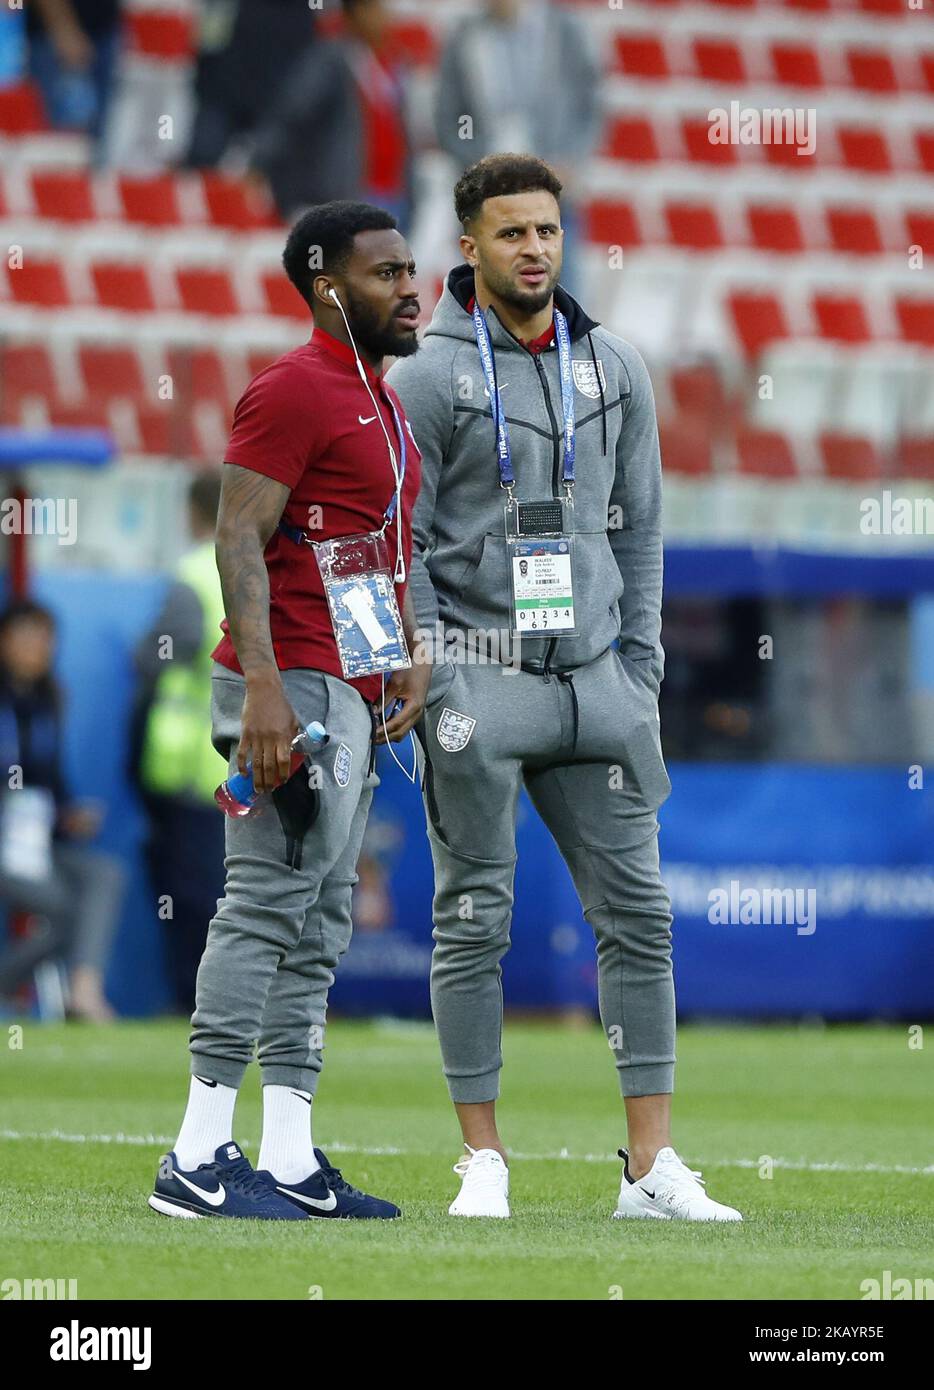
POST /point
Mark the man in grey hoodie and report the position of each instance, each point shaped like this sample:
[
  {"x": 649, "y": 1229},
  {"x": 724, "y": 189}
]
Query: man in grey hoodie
[{"x": 519, "y": 397}]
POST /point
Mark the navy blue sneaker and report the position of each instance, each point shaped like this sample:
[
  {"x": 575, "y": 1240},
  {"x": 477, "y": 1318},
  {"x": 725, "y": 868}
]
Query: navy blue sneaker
[
  {"x": 226, "y": 1187},
  {"x": 327, "y": 1193}
]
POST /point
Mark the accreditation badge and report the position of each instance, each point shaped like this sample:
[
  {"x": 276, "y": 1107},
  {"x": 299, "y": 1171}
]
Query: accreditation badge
[
  {"x": 357, "y": 578},
  {"x": 539, "y": 557}
]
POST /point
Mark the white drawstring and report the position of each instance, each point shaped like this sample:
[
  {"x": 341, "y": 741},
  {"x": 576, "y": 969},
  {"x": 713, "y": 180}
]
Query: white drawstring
[
  {"x": 412, "y": 776},
  {"x": 399, "y": 573}
]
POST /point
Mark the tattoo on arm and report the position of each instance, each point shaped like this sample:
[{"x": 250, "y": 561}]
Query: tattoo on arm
[{"x": 250, "y": 507}]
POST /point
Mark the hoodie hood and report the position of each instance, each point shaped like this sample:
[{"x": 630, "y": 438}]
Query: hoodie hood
[{"x": 452, "y": 318}]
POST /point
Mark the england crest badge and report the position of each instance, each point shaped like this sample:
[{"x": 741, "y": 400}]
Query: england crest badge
[
  {"x": 589, "y": 380},
  {"x": 343, "y": 761},
  {"x": 454, "y": 730}
]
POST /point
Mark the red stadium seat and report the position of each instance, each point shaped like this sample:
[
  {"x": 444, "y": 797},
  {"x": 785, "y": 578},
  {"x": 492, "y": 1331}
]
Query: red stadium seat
[
  {"x": 89, "y": 415},
  {"x": 612, "y": 223},
  {"x": 21, "y": 110},
  {"x": 39, "y": 280},
  {"x": 122, "y": 285},
  {"x": 26, "y": 370},
  {"x": 206, "y": 290},
  {"x": 872, "y": 70},
  {"x": 841, "y": 317},
  {"x": 849, "y": 456},
  {"x": 775, "y": 228},
  {"x": 231, "y": 205},
  {"x": 685, "y": 446},
  {"x": 697, "y": 390},
  {"x": 693, "y": 225},
  {"x": 926, "y": 61},
  {"x": 64, "y": 195},
  {"x": 701, "y": 149},
  {"x": 110, "y": 372},
  {"x": 758, "y": 318},
  {"x": 719, "y": 60},
  {"x": 632, "y": 137},
  {"x": 641, "y": 55},
  {"x": 924, "y": 147},
  {"x": 916, "y": 318},
  {"x": 765, "y": 453},
  {"x": 166, "y": 429},
  {"x": 198, "y": 374},
  {"x": 854, "y": 230},
  {"x": 151, "y": 199},
  {"x": 914, "y": 458},
  {"x": 865, "y": 149},
  {"x": 796, "y": 64},
  {"x": 281, "y": 296},
  {"x": 920, "y": 228}
]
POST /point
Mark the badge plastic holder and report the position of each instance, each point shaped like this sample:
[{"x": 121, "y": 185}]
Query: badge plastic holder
[
  {"x": 357, "y": 578},
  {"x": 539, "y": 557}
]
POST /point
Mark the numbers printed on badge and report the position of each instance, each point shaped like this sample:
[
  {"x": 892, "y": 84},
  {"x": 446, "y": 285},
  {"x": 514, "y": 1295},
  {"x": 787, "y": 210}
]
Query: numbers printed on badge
[
  {"x": 531, "y": 620},
  {"x": 543, "y": 596}
]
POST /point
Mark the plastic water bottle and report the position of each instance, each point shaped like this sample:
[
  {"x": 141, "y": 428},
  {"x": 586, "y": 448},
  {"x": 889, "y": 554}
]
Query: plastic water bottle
[{"x": 238, "y": 796}]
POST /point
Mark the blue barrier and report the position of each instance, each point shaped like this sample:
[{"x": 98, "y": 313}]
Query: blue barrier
[{"x": 860, "y": 836}]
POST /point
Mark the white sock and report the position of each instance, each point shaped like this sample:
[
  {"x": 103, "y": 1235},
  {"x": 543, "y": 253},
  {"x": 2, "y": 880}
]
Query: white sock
[
  {"x": 287, "y": 1151},
  {"x": 208, "y": 1123}
]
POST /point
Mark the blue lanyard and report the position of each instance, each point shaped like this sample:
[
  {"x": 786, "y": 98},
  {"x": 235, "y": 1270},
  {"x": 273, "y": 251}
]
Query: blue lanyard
[{"x": 507, "y": 477}]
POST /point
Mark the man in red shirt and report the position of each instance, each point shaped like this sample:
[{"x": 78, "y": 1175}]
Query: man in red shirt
[{"x": 320, "y": 449}]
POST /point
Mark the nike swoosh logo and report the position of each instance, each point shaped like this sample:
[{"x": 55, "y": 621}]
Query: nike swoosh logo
[
  {"x": 648, "y": 1194},
  {"x": 329, "y": 1205},
  {"x": 204, "y": 1081},
  {"x": 213, "y": 1199},
  {"x": 298, "y": 1096},
  {"x": 500, "y": 389},
  {"x": 368, "y": 421}
]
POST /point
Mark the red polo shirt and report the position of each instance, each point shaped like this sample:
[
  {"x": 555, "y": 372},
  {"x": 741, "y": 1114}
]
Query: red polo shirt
[{"x": 308, "y": 422}]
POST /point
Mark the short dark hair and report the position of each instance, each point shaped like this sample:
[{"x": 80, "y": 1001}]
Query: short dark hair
[
  {"x": 499, "y": 175},
  {"x": 204, "y": 494},
  {"x": 28, "y": 610},
  {"x": 329, "y": 228}
]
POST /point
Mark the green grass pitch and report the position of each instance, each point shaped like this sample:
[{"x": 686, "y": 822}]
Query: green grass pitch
[{"x": 843, "y": 1112}]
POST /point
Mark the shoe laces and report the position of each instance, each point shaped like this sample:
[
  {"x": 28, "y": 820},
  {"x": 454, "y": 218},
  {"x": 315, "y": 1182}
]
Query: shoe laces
[
  {"x": 479, "y": 1164},
  {"x": 338, "y": 1183},
  {"x": 682, "y": 1182},
  {"x": 242, "y": 1176}
]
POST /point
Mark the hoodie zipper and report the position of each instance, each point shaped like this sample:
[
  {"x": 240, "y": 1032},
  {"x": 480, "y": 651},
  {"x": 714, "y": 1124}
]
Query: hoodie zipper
[{"x": 555, "y": 478}]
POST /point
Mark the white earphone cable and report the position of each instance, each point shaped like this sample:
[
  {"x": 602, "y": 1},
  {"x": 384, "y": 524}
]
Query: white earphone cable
[{"x": 399, "y": 572}]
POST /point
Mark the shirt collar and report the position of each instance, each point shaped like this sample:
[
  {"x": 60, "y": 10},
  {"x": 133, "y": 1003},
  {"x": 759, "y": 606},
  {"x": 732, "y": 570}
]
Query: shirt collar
[
  {"x": 534, "y": 345},
  {"x": 326, "y": 342}
]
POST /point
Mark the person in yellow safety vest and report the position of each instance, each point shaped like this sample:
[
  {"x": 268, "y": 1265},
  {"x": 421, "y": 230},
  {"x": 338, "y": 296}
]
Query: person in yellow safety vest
[{"x": 177, "y": 769}]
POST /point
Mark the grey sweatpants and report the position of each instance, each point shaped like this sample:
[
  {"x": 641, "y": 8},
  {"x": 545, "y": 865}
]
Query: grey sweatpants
[
  {"x": 586, "y": 746},
  {"x": 280, "y": 932}
]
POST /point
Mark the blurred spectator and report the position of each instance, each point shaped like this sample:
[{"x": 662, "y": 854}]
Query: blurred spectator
[
  {"x": 338, "y": 128},
  {"x": 520, "y": 77},
  {"x": 177, "y": 769},
  {"x": 44, "y": 868},
  {"x": 246, "y": 49},
  {"x": 73, "y": 50}
]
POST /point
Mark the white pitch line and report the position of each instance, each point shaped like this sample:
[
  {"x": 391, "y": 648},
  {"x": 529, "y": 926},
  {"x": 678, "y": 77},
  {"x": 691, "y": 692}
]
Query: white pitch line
[{"x": 380, "y": 1151}]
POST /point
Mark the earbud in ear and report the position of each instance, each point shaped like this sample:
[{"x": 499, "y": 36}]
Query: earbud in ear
[{"x": 334, "y": 295}]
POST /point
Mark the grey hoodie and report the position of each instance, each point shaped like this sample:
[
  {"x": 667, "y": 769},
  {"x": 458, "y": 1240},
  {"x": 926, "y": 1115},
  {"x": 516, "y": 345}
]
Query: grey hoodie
[{"x": 459, "y": 572}]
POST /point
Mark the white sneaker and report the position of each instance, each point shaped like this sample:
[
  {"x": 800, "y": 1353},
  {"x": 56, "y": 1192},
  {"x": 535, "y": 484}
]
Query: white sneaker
[
  {"x": 484, "y": 1184},
  {"x": 669, "y": 1191}
]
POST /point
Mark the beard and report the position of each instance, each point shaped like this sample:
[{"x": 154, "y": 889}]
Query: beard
[
  {"x": 527, "y": 301},
  {"x": 376, "y": 338}
]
